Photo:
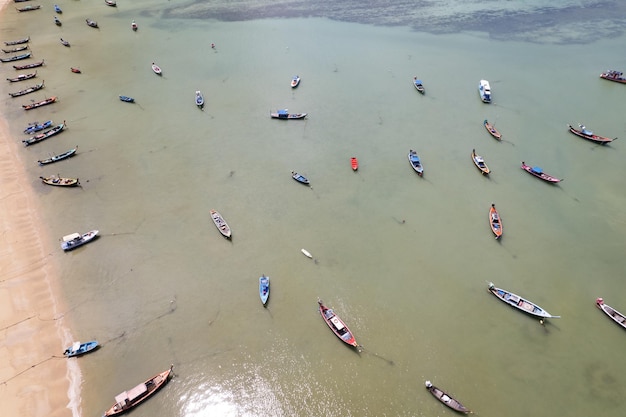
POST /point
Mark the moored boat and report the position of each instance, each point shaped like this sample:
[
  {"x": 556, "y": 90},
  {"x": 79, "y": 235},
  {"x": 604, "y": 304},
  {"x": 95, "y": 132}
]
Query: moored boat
[
  {"x": 613, "y": 314},
  {"x": 300, "y": 178},
  {"x": 59, "y": 157},
  {"x": 111, "y": 3},
  {"x": 199, "y": 99},
  {"x": 17, "y": 42},
  {"x": 221, "y": 224},
  {"x": 34, "y": 105},
  {"x": 137, "y": 395},
  {"x": 57, "y": 21},
  {"x": 538, "y": 172},
  {"x": 75, "y": 70},
  {"x": 484, "y": 89},
  {"x": 60, "y": 181},
  {"x": 284, "y": 114},
  {"x": 585, "y": 133},
  {"x": 79, "y": 349},
  {"x": 354, "y": 163},
  {"x": 415, "y": 162},
  {"x": 157, "y": 70},
  {"x": 337, "y": 325},
  {"x": 495, "y": 221},
  {"x": 28, "y": 8},
  {"x": 295, "y": 81},
  {"x": 520, "y": 303},
  {"x": 16, "y": 49},
  {"x": 133, "y": 25},
  {"x": 27, "y": 90},
  {"x": 16, "y": 57},
  {"x": 480, "y": 163},
  {"x": 492, "y": 130},
  {"x": 22, "y": 77},
  {"x": 35, "y": 127},
  {"x": 91, "y": 23},
  {"x": 27, "y": 66},
  {"x": 417, "y": 83},
  {"x": 64, "y": 42},
  {"x": 446, "y": 398},
  {"x": 127, "y": 99},
  {"x": 44, "y": 135},
  {"x": 264, "y": 289},
  {"x": 74, "y": 240},
  {"x": 613, "y": 75},
  {"x": 57, "y": 9}
]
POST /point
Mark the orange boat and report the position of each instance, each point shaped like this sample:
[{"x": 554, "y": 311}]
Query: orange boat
[
  {"x": 492, "y": 130},
  {"x": 495, "y": 221},
  {"x": 75, "y": 70},
  {"x": 355, "y": 163}
]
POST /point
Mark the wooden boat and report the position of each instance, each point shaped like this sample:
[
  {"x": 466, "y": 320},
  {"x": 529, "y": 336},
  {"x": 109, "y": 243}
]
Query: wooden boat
[
  {"x": 157, "y": 70},
  {"x": 29, "y": 8},
  {"x": 75, "y": 70},
  {"x": 264, "y": 289},
  {"x": 484, "y": 89},
  {"x": 91, "y": 23},
  {"x": 16, "y": 57},
  {"x": 284, "y": 114},
  {"x": 133, "y": 25},
  {"x": 137, "y": 395},
  {"x": 17, "y": 49},
  {"x": 415, "y": 162},
  {"x": 57, "y": 9},
  {"x": 615, "y": 315},
  {"x": 446, "y": 398},
  {"x": 295, "y": 81},
  {"x": 300, "y": 178},
  {"x": 27, "y": 90},
  {"x": 584, "y": 133},
  {"x": 199, "y": 99},
  {"x": 613, "y": 75},
  {"x": 418, "y": 85},
  {"x": 111, "y": 3},
  {"x": 74, "y": 240},
  {"x": 337, "y": 325},
  {"x": 57, "y": 21},
  {"x": 492, "y": 130},
  {"x": 59, "y": 157},
  {"x": 27, "y": 66},
  {"x": 480, "y": 163},
  {"x": 495, "y": 221},
  {"x": 44, "y": 135},
  {"x": 354, "y": 163},
  {"x": 22, "y": 77},
  {"x": 31, "y": 106},
  {"x": 17, "y": 42},
  {"x": 221, "y": 224},
  {"x": 538, "y": 172},
  {"x": 127, "y": 99},
  {"x": 60, "y": 181},
  {"x": 64, "y": 42},
  {"x": 35, "y": 127},
  {"x": 519, "y": 303},
  {"x": 79, "y": 349}
]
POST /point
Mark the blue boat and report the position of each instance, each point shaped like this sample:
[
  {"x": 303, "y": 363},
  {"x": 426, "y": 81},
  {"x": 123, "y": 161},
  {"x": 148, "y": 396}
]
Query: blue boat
[
  {"x": 36, "y": 127},
  {"x": 127, "y": 99},
  {"x": 57, "y": 9},
  {"x": 78, "y": 348},
  {"x": 300, "y": 178},
  {"x": 264, "y": 289},
  {"x": 416, "y": 164},
  {"x": 418, "y": 85}
]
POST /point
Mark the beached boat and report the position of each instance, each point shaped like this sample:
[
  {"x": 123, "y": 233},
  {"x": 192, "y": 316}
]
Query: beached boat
[
  {"x": 16, "y": 57},
  {"x": 60, "y": 181},
  {"x": 492, "y": 130},
  {"x": 446, "y": 398},
  {"x": 75, "y": 70},
  {"x": 295, "y": 81},
  {"x": 22, "y": 77},
  {"x": 16, "y": 49},
  {"x": 28, "y": 8},
  {"x": 27, "y": 90},
  {"x": 17, "y": 42},
  {"x": 133, "y": 25},
  {"x": 495, "y": 221},
  {"x": 34, "y": 105},
  {"x": 415, "y": 162},
  {"x": 27, "y": 66},
  {"x": 35, "y": 127},
  {"x": 91, "y": 23},
  {"x": 57, "y": 21},
  {"x": 127, "y": 99},
  {"x": 64, "y": 42},
  {"x": 417, "y": 83},
  {"x": 44, "y": 135},
  {"x": 284, "y": 114},
  {"x": 480, "y": 163},
  {"x": 337, "y": 325},
  {"x": 199, "y": 99},
  {"x": 264, "y": 289},
  {"x": 221, "y": 224},
  {"x": 59, "y": 157},
  {"x": 585, "y": 133},
  {"x": 74, "y": 240},
  {"x": 78, "y": 348},
  {"x": 613, "y": 75},
  {"x": 137, "y": 395},
  {"x": 615, "y": 315},
  {"x": 520, "y": 303},
  {"x": 354, "y": 163},
  {"x": 484, "y": 89},
  {"x": 538, "y": 172},
  {"x": 111, "y": 3},
  {"x": 157, "y": 70},
  {"x": 300, "y": 178}
]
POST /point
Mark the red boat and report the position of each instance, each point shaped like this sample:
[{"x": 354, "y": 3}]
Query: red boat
[
  {"x": 355, "y": 163},
  {"x": 613, "y": 75},
  {"x": 538, "y": 172},
  {"x": 39, "y": 103},
  {"x": 75, "y": 70},
  {"x": 585, "y": 133},
  {"x": 337, "y": 325}
]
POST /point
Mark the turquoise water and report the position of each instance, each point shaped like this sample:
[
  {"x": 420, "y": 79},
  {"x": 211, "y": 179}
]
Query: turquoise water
[{"x": 403, "y": 260}]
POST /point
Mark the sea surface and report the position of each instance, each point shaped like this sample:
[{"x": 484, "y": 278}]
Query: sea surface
[{"x": 405, "y": 261}]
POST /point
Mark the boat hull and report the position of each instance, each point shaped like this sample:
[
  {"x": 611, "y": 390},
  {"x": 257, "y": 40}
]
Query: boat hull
[
  {"x": 264, "y": 289},
  {"x": 82, "y": 349},
  {"x": 221, "y": 224},
  {"x": 538, "y": 173},
  {"x": 613, "y": 314},
  {"x": 492, "y": 130},
  {"x": 479, "y": 162},
  {"x": 415, "y": 162},
  {"x": 601, "y": 140},
  {"x": 495, "y": 221},
  {"x": 337, "y": 325},
  {"x": 446, "y": 398},
  {"x": 137, "y": 395},
  {"x": 72, "y": 242},
  {"x": 519, "y": 303}
]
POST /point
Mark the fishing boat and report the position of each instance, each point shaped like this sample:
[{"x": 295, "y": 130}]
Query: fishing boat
[
  {"x": 300, "y": 178},
  {"x": 337, "y": 325},
  {"x": 127, "y": 99},
  {"x": 199, "y": 99},
  {"x": 28, "y": 8},
  {"x": 57, "y": 9},
  {"x": 22, "y": 77},
  {"x": 415, "y": 162},
  {"x": 111, "y": 3},
  {"x": 446, "y": 398},
  {"x": 354, "y": 163},
  {"x": 585, "y": 133},
  {"x": 64, "y": 42},
  {"x": 417, "y": 83},
  {"x": 480, "y": 163},
  {"x": 492, "y": 130},
  {"x": 60, "y": 181},
  {"x": 17, "y": 42},
  {"x": 264, "y": 289},
  {"x": 133, "y": 25},
  {"x": 74, "y": 240},
  {"x": 79, "y": 349},
  {"x": 91, "y": 23},
  {"x": 137, "y": 395},
  {"x": 57, "y": 21},
  {"x": 615, "y": 315},
  {"x": 59, "y": 157},
  {"x": 34, "y": 105},
  {"x": 27, "y": 90},
  {"x": 613, "y": 75},
  {"x": 44, "y": 135},
  {"x": 520, "y": 303},
  {"x": 35, "y": 127},
  {"x": 538, "y": 172},
  {"x": 284, "y": 114},
  {"x": 157, "y": 70},
  {"x": 27, "y": 66},
  {"x": 306, "y": 253},
  {"x": 295, "y": 81},
  {"x": 16, "y": 57},
  {"x": 17, "y": 49},
  {"x": 495, "y": 221},
  {"x": 221, "y": 224},
  {"x": 75, "y": 70},
  {"x": 484, "y": 89}
]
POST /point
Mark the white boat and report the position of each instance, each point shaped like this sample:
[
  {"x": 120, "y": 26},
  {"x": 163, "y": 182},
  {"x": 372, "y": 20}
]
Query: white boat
[
  {"x": 520, "y": 303},
  {"x": 156, "y": 69},
  {"x": 199, "y": 99},
  {"x": 75, "y": 240},
  {"x": 485, "y": 91}
]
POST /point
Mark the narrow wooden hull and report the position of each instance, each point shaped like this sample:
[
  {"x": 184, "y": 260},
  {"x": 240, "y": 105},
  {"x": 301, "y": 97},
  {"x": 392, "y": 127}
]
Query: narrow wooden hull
[
  {"x": 264, "y": 289},
  {"x": 137, "y": 395},
  {"x": 613, "y": 314},
  {"x": 16, "y": 57},
  {"x": 537, "y": 172},
  {"x": 354, "y": 163},
  {"x": 17, "y": 42},
  {"x": 495, "y": 221},
  {"x": 221, "y": 224},
  {"x": 520, "y": 303},
  {"x": 337, "y": 325},
  {"x": 415, "y": 162},
  {"x": 583, "y": 133},
  {"x": 492, "y": 130},
  {"x": 22, "y": 77},
  {"x": 61, "y": 181},
  {"x": 446, "y": 399},
  {"x": 45, "y": 135},
  {"x": 27, "y": 66},
  {"x": 615, "y": 76},
  {"x": 36, "y": 127},
  {"x": 39, "y": 103},
  {"x": 59, "y": 157},
  {"x": 480, "y": 163},
  {"x": 27, "y": 90}
]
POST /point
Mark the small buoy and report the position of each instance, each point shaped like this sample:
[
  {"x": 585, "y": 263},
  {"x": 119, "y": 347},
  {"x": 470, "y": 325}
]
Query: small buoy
[{"x": 306, "y": 253}]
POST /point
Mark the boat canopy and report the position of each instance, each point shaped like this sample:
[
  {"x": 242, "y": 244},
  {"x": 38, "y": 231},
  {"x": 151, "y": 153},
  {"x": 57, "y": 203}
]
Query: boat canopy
[
  {"x": 76, "y": 346},
  {"x": 283, "y": 112},
  {"x": 71, "y": 237},
  {"x": 418, "y": 82},
  {"x": 337, "y": 323},
  {"x": 537, "y": 170}
]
